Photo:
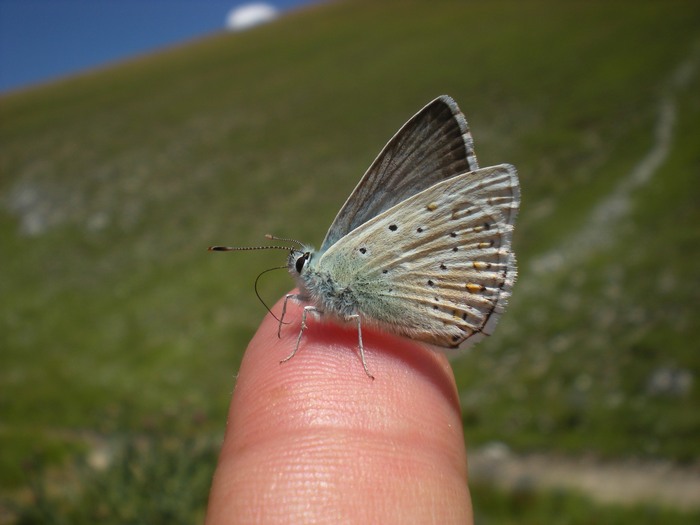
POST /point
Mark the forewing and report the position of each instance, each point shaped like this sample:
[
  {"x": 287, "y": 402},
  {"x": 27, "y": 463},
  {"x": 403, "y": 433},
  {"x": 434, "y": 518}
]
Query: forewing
[
  {"x": 439, "y": 266},
  {"x": 434, "y": 145}
]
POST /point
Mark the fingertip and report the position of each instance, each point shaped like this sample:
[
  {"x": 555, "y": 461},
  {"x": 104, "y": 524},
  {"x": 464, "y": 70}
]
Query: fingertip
[{"x": 336, "y": 430}]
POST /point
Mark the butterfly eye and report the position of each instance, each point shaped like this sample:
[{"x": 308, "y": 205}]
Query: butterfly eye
[{"x": 301, "y": 261}]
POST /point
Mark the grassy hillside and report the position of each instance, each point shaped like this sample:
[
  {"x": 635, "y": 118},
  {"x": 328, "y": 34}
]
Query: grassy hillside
[{"x": 116, "y": 325}]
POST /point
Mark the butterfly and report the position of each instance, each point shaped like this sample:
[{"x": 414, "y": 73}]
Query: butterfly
[{"x": 423, "y": 246}]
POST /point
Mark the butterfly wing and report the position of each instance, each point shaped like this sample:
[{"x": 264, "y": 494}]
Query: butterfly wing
[
  {"x": 434, "y": 145},
  {"x": 439, "y": 266}
]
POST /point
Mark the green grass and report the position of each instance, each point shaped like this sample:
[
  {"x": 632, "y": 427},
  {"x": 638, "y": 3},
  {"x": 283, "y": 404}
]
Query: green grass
[
  {"x": 114, "y": 318},
  {"x": 123, "y": 493},
  {"x": 153, "y": 478}
]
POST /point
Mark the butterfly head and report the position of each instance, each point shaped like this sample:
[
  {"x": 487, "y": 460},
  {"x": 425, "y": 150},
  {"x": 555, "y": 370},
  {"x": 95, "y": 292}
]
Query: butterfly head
[{"x": 300, "y": 260}]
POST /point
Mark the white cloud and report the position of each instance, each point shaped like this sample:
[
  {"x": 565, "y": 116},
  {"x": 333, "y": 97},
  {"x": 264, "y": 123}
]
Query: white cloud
[{"x": 249, "y": 15}]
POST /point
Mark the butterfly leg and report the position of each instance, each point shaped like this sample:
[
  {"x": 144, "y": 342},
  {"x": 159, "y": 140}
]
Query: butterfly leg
[
  {"x": 306, "y": 311},
  {"x": 284, "y": 311},
  {"x": 359, "y": 339}
]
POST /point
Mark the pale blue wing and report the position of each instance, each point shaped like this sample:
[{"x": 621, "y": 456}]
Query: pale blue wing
[
  {"x": 439, "y": 266},
  {"x": 434, "y": 145}
]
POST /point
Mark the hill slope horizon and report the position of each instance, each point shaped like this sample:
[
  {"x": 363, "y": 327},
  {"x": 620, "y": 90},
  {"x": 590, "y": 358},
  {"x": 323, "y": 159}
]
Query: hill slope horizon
[{"x": 116, "y": 320}]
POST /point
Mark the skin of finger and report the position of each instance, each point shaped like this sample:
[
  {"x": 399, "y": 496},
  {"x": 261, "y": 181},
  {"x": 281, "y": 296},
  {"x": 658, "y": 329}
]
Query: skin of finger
[{"x": 315, "y": 440}]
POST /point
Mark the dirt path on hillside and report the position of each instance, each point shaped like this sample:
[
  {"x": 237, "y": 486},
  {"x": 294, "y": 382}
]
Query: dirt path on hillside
[
  {"x": 596, "y": 232},
  {"x": 626, "y": 482}
]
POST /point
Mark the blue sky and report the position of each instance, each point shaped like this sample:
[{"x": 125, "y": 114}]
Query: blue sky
[{"x": 41, "y": 40}]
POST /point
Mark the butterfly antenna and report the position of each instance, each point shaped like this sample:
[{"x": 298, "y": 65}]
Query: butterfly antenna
[
  {"x": 273, "y": 238},
  {"x": 258, "y": 294},
  {"x": 244, "y": 248}
]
